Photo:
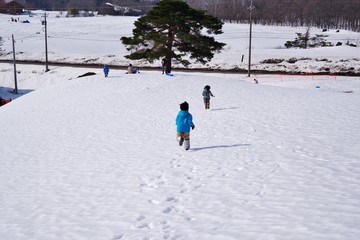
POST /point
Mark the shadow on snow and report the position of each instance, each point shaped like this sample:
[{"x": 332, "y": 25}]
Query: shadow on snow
[
  {"x": 228, "y": 108},
  {"x": 220, "y": 146},
  {"x": 6, "y": 92}
]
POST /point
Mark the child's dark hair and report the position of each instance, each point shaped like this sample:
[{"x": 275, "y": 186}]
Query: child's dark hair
[
  {"x": 207, "y": 87},
  {"x": 184, "y": 106}
]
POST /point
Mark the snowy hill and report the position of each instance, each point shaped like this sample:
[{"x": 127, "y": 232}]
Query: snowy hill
[{"x": 95, "y": 158}]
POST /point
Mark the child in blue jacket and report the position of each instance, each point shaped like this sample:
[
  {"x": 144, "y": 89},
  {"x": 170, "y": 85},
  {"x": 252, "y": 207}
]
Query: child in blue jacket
[
  {"x": 184, "y": 123},
  {"x": 106, "y": 70}
]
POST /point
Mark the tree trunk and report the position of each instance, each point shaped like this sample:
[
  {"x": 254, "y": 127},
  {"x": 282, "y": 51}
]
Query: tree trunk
[{"x": 169, "y": 50}]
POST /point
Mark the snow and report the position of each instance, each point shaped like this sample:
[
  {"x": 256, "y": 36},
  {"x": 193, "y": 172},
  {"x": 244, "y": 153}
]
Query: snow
[{"x": 96, "y": 158}]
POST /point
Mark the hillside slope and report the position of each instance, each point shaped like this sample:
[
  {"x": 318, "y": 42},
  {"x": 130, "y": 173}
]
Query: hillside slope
[{"x": 94, "y": 158}]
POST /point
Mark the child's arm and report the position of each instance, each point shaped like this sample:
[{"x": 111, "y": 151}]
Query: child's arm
[{"x": 192, "y": 125}]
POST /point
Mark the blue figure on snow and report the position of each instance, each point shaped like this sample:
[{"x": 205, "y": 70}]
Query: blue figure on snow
[{"x": 106, "y": 70}]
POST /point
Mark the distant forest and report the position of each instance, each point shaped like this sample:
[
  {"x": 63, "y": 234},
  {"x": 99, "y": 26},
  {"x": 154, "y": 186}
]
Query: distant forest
[
  {"x": 88, "y": 5},
  {"x": 335, "y": 14}
]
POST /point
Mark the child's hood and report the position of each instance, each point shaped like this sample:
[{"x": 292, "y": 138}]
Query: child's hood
[{"x": 183, "y": 113}]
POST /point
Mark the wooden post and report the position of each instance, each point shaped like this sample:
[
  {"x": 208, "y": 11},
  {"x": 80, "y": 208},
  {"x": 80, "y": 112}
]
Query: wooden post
[
  {"x": 14, "y": 61},
  {"x": 46, "y": 49}
]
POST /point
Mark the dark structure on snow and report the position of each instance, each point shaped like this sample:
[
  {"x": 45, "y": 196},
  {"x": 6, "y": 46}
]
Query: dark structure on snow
[{"x": 11, "y": 6}]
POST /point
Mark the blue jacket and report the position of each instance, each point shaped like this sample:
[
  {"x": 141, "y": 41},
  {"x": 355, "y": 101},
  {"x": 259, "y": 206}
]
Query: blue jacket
[
  {"x": 106, "y": 69},
  {"x": 183, "y": 121}
]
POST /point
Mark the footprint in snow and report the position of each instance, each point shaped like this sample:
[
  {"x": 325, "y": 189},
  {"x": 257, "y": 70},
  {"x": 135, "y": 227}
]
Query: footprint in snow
[
  {"x": 118, "y": 237},
  {"x": 167, "y": 210}
]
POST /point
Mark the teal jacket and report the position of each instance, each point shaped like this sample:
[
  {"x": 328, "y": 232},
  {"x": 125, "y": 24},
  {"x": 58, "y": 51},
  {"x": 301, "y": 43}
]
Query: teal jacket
[{"x": 184, "y": 121}]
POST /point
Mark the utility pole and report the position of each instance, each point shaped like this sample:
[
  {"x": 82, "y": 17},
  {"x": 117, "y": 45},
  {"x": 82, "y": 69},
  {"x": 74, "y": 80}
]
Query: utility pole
[
  {"x": 46, "y": 49},
  {"x": 250, "y": 37},
  {"x": 14, "y": 61}
]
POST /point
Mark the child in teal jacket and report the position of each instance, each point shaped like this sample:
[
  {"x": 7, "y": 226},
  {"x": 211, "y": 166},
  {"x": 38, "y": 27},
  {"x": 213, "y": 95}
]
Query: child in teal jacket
[{"x": 184, "y": 123}]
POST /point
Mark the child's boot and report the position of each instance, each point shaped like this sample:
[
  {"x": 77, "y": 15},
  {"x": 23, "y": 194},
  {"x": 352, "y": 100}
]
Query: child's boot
[
  {"x": 180, "y": 140},
  {"x": 187, "y": 144}
]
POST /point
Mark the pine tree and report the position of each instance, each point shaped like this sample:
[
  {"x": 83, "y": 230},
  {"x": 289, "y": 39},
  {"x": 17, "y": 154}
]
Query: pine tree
[{"x": 174, "y": 31}]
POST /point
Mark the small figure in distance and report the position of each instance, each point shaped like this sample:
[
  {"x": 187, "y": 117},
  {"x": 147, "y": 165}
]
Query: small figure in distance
[
  {"x": 163, "y": 65},
  {"x": 132, "y": 70},
  {"x": 106, "y": 70},
  {"x": 206, "y": 96}
]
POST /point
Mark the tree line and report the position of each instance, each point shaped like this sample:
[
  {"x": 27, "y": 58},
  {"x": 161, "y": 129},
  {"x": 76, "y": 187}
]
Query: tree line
[
  {"x": 335, "y": 14},
  {"x": 87, "y": 5}
]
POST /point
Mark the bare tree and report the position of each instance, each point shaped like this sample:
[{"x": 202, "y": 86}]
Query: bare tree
[{"x": 318, "y": 13}]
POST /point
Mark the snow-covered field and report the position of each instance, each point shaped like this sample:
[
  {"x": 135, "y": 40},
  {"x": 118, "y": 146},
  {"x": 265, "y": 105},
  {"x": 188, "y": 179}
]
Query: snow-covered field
[
  {"x": 97, "y": 40},
  {"x": 96, "y": 158}
]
